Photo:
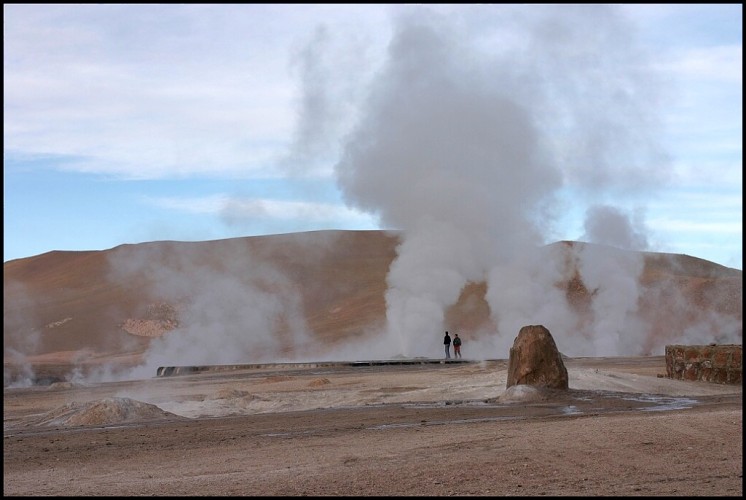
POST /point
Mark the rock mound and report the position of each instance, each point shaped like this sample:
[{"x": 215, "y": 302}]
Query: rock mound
[
  {"x": 319, "y": 382},
  {"x": 105, "y": 411},
  {"x": 535, "y": 360}
]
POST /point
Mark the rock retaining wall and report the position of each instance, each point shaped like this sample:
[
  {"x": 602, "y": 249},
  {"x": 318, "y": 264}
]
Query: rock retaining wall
[
  {"x": 169, "y": 371},
  {"x": 710, "y": 363}
]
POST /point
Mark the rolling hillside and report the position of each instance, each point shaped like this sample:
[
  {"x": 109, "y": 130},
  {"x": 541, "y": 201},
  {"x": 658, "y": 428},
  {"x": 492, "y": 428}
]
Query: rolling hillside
[{"x": 68, "y": 306}]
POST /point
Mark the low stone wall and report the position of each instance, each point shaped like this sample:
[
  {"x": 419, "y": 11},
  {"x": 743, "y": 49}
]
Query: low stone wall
[
  {"x": 709, "y": 363},
  {"x": 170, "y": 371}
]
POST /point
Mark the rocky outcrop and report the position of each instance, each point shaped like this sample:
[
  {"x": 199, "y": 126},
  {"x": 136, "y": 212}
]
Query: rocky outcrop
[
  {"x": 159, "y": 318},
  {"x": 721, "y": 364},
  {"x": 535, "y": 360}
]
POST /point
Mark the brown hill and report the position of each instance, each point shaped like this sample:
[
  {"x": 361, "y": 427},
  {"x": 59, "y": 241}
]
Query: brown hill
[{"x": 67, "y": 306}]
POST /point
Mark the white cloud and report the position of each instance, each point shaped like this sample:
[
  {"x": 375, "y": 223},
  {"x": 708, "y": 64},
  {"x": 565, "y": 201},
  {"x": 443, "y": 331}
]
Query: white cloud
[
  {"x": 673, "y": 225},
  {"x": 195, "y": 205},
  {"x": 150, "y": 91},
  {"x": 722, "y": 63},
  {"x": 173, "y": 91},
  {"x": 251, "y": 208},
  {"x": 693, "y": 205}
]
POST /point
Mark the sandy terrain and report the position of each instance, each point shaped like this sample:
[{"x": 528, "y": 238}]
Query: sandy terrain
[{"x": 422, "y": 429}]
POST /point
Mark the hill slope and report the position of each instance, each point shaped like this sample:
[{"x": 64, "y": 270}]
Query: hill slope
[{"x": 322, "y": 288}]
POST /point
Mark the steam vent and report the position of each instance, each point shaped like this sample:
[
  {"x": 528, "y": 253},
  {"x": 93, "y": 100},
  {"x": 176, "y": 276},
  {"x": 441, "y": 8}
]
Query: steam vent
[
  {"x": 721, "y": 364},
  {"x": 535, "y": 360}
]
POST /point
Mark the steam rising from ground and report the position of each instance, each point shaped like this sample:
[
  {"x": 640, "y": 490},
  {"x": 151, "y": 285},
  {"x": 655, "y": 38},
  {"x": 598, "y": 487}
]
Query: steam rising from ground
[
  {"x": 473, "y": 141},
  {"x": 235, "y": 313},
  {"x": 17, "y": 331},
  {"x": 470, "y": 144}
]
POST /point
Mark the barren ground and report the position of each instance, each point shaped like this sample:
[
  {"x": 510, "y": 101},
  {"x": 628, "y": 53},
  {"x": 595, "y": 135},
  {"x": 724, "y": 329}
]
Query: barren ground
[{"x": 429, "y": 429}]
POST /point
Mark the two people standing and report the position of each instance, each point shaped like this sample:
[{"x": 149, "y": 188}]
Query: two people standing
[{"x": 456, "y": 346}]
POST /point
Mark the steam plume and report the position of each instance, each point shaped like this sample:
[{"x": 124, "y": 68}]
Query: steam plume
[
  {"x": 470, "y": 152},
  {"x": 231, "y": 311}
]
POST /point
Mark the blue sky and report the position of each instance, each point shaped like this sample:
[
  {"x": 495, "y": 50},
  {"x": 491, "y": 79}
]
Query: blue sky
[{"x": 132, "y": 123}]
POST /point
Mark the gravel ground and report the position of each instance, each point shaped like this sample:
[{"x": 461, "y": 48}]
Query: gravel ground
[{"x": 441, "y": 429}]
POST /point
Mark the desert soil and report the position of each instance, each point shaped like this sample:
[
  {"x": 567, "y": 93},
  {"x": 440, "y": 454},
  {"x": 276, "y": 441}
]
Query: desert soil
[{"x": 424, "y": 429}]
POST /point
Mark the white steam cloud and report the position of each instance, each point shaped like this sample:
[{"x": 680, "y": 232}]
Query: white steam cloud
[
  {"x": 472, "y": 144},
  {"x": 466, "y": 144},
  {"x": 471, "y": 140},
  {"x": 19, "y": 337},
  {"x": 231, "y": 311}
]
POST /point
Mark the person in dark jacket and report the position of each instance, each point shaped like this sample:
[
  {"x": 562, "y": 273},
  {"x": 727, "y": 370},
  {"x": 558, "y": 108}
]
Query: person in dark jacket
[
  {"x": 447, "y": 344},
  {"x": 456, "y": 346}
]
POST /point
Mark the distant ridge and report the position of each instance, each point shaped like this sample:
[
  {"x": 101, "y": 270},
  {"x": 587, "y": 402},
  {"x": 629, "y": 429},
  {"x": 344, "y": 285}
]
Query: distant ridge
[{"x": 66, "y": 305}]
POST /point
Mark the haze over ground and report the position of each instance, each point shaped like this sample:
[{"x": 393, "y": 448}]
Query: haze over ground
[{"x": 324, "y": 296}]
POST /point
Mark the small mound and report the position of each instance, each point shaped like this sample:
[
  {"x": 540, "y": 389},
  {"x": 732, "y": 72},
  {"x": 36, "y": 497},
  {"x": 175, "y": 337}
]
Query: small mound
[
  {"x": 61, "y": 385},
  {"x": 318, "y": 382},
  {"x": 104, "y": 412},
  {"x": 230, "y": 393},
  {"x": 523, "y": 393}
]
